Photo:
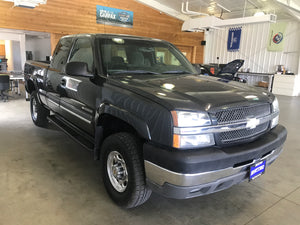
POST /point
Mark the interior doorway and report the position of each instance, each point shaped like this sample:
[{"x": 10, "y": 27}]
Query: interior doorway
[{"x": 14, "y": 44}]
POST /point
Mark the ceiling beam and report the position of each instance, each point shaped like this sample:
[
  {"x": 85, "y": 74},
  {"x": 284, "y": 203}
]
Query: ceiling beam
[
  {"x": 290, "y": 5},
  {"x": 214, "y": 22},
  {"x": 292, "y": 8},
  {"x": 163, "y": 8}
]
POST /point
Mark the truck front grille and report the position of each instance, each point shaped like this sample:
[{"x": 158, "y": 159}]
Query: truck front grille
[
  {"x": 241, "y": 114},
  {"x": 239, "y": 136}
]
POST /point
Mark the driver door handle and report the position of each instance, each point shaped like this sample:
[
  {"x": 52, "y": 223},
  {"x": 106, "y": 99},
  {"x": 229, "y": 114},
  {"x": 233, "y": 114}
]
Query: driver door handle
[{"x": 63, "y": 82}]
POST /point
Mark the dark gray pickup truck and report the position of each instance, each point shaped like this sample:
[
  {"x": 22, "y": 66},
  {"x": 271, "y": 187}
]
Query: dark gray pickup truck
[{"x": 154, "y": 123}]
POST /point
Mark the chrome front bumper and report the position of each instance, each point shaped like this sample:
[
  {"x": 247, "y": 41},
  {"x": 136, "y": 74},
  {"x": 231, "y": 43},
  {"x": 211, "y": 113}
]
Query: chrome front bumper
[{"x": 179, "y": 185}]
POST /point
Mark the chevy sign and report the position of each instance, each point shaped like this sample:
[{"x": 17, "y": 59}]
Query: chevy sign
[{"x": 114, "y": 17}]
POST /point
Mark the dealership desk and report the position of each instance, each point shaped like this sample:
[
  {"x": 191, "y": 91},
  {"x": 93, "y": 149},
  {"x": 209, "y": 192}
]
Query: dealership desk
[
  {"x": 288, "y": 85},
  {"x": 15, "y": 82}
]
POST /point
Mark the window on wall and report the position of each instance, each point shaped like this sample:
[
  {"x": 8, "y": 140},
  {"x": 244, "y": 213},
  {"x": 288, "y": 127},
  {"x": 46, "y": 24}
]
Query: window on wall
[{"x": 165, "y": 56}]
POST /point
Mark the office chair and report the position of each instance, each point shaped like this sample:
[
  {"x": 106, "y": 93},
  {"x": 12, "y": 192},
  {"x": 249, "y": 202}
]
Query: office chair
[{"x": 4, "y": 87}]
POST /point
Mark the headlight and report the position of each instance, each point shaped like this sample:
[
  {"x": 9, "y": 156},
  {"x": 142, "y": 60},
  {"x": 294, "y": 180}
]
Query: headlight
[
  {"x": 185, "y": 132},
  {"x": 275, "y": 109},
  {"x": 190, "y": 119}
]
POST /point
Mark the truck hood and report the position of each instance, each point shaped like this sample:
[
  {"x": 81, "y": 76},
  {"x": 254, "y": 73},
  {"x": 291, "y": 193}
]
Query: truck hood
[{"x": 193, "y": 92}]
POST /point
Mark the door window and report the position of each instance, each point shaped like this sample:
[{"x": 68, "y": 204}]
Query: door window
[
  {"x": 82, "y": 52},
  {"x": 61, "y": 53}
]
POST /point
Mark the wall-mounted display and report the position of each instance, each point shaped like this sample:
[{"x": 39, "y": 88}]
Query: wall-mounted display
[
  {"x": 114, "y": 17},
  {"x": 234, "y": 38},
  {"x": 276, "y": 37}
]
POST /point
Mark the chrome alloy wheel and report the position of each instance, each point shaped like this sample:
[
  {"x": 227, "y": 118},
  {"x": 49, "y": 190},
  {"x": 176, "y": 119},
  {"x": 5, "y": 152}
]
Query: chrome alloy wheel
[
  {"x": 117, "y": 171},
  {"x": 34, "y": 109}
]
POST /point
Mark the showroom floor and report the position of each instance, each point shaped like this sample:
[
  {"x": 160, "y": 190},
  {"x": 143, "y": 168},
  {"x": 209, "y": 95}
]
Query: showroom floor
[{"x": 46, "y": 178}]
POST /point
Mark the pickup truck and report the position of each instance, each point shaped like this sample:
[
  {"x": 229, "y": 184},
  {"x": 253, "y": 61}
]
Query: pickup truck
[{"x": 155, "y": 124}]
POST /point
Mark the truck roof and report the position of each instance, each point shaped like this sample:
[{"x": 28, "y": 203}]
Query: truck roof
[{"x": 101, "y": 35}]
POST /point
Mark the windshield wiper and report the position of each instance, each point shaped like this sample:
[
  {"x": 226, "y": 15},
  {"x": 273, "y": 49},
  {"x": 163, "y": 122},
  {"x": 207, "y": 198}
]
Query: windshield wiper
[
  {"x": 134, "y": 72},
  {"x": 176, "y": 72}
]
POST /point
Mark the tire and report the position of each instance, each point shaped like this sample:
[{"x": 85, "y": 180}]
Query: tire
[
  {"x": 38, "y": 112},
  {"x": 123, "y": 170}
]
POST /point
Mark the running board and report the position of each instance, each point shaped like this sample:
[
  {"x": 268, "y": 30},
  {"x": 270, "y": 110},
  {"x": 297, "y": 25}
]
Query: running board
[{"x": 84, "y": 139}]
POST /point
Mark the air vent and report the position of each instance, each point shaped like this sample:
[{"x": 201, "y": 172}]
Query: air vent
[{"x": 273, "y": 18}]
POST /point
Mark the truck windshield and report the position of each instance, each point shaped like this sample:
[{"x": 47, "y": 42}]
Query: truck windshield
[{"x": 132, "y": 56}]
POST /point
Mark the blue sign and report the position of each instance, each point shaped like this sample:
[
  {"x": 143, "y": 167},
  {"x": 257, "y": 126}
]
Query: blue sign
[
  {"x": 257, "y": 169},
  {"x": 114, "y": 17},
  {"x": 234, "y": 38}
]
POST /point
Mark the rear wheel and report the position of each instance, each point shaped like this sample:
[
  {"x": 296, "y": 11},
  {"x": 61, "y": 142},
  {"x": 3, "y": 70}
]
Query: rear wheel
[
  {"x": 123, "y": 170},
  {"x": 38, "y": 112}
]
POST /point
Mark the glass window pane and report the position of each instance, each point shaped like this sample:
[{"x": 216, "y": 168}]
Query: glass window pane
[
  {"x": 142, "y": 56},
  {"x": 82, "y": 52},
  {"x": 60, "y": 55}
]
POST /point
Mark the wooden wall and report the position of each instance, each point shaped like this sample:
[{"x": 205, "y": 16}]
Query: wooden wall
[
  {"x": 2, "y": 50},
  {"x": 61, "y": 17}
]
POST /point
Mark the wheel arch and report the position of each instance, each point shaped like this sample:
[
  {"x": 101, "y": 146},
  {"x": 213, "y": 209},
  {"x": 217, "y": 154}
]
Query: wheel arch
[
  {"x": 30, "y": 86},
  {"x": 110, "y": 119},
  {"x": 119, "y": 120}
]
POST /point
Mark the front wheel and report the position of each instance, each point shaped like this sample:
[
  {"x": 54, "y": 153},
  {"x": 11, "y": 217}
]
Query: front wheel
[
  {"x": 38, "y": 112},
  {"x": 123, "y": 170}
]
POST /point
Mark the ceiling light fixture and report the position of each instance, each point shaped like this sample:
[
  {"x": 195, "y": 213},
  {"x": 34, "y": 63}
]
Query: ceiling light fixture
[
  {"x": 210, "y": 9},
  {"x": 259, "y": 13},
  {"x": 27, "y": 3}
]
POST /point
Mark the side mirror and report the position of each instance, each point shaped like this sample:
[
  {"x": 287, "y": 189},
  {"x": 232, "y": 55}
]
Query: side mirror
[{"x": 78, "y": 69}]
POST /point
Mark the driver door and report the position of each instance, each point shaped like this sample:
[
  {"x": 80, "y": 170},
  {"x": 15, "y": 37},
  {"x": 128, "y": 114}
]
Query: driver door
[{"x": 78, "y": 95}]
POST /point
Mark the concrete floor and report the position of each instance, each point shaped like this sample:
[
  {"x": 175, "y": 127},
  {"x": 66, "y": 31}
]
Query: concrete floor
[{"x": 46, "y": 178}]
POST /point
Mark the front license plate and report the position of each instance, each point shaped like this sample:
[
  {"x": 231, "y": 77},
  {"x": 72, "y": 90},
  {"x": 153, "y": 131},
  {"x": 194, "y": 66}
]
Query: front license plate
[{"x": 257, "y": 169}]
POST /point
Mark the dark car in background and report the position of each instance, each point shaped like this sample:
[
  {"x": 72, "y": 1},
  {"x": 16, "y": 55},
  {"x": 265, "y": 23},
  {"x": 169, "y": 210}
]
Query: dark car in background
[{"x": 224, "y": 71}]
